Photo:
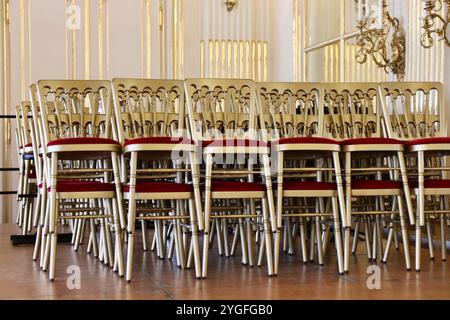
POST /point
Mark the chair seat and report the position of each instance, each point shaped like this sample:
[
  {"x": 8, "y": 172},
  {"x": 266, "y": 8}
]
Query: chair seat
[
  {"x": 359, "y": 141},
  {"x": 431, "y": 184},
  {"x": 83, "y": 186},
  {"x": 154, "y": 187},
  {"x": 159, "y": 140},
  {"x": 236, "y": 186},
  {"x": 82, "y": 140},
  {"x": 308, "y": 185},
  {"x": 431, "y": 140},
  {"x": 234, "y": 143},
  {"x": 300, "y": 140},
  {"x": 376, "y": 184}
]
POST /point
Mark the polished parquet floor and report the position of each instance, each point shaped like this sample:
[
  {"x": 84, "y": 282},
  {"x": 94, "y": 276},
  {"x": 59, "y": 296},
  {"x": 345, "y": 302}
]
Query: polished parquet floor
[{"x": 20, "y": 278}]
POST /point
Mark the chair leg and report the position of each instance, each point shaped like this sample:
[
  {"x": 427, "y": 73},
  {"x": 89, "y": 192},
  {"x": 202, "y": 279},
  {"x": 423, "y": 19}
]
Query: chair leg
[
  {"x": 367, "y": 236},
  {"x": 117, "y": 237},
  {"x": 131, "y": 216},
  {"x": 194, "y": 239},
  {"x": 430, "y": 238},
  {"x": 243, "y": 241},
  {"x": 53, "y": 220},
  {"x": 235, "y": 240},
  {"x": 207, "y": 217},
  {"x": 418, "y": 244},
  {"x": 444, "y": 206},
  {"x": 355, "y": 237},
  {"x": 303, "y": 239},
  {"x": 405, "y": 234},
  {"x": 337, "y": 235},
  {"x": 267, "y": 236}
]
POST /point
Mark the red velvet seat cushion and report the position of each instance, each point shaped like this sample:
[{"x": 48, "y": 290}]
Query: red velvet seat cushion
[
  {"x": 428, "y": 141},
  {"x": 82, "y": 140},
  {"x": 230, "y": 186},
  {"x": 308, "y": 185},
  {"x": 300, "y": 140},
  {"x": 83, "y": 186},
  {"x": 234, "y": 143},
  {"x": 370, "y": 141},
  {"x": 376, "y": 184},
  {"x": 169, "y": 187},
  {"x": 431, "y": 183},
  {"x": 159, "y": 140},
  {"x": 26, "y": 146}
]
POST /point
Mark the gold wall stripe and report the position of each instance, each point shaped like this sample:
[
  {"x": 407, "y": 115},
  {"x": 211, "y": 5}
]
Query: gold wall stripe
[
  {"x": 67, "y": 44},
  {"x": 181, "y": 10},
  {"x": 161, "y": 37},
  {"x": 6, "y": 99},
  {"x": 229, "y": 58},
  {"x": 217, "y": 65},
  {"x": 235, "y": 59},
  {"x": 74, "y": 50},
  {"x": 247, "y": 59},
  {"x": 266, "y": 61},
  {"x": 174, "y": 39},
  {"x": 241, "y": 59},
  {"x": 107, "y": 38},
  {"x": 87, "y": 17},
  {"x": 253, "y": 60},
  {"x": 142, "y": 9},
  {"x": 100, "y": 39},
  {"x": 202, "y": 58},
  {"x": 259, "y": 61},
  {"x": 22, "y": 50},
  {"x": 223, "y": 66},
  {"x": 210, "y": 53},
  {"x": 29, "y": 40},
  {"x": 148, "y": 40}
]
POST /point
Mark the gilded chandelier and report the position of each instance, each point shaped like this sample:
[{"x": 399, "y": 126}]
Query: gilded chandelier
[
  {"x": 435, "y": 25},
  {"x": 380, "y": 36}
]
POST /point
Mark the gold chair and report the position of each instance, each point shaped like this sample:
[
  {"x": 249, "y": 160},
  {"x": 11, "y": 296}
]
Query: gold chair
[
  {"x": 151, "y": 119},
  {"x": 223, "y": 123},
  {"x": 374, "y": 167},
  {"x": 76, "y": 137},
  {"x": 415, "y": 113},
  {"x": 27, "y": 170},
  {"x": 292, "y": 116}
]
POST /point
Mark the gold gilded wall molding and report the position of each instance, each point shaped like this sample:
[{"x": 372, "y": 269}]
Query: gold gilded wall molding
[
  {"x": 243, "y": 59},
  {"x": 87, "y": 47},
  {"x": 148, "y": 38},
  {"x": 100, "y": 39},
  {"x": 74, "y": 49},
  {"x": 103, "y": 39},
  {"x": 22, "y": 51},
  {"x": 162, "y": 37},
  {"x": 6, "y": 78}
]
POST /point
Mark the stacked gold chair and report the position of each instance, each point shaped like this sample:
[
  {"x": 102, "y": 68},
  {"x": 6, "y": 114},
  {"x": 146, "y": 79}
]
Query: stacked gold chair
[
  {"x": 162, "y": 176},
  {"x": 375, "y": 169},
  {"x": 76, "y": 141},
  {"x": 223, "y": 122},
  {"x": 415, "y": 113},
  {"x": 292, "y": 115},
  {"x": 27, "y": 170}
]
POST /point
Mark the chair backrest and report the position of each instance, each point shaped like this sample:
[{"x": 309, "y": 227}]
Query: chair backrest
[
  {"x": 291, "y": 110},
  {"x": 352, "y": 110},
  {"x": 413, "y": 109},
  {"x": 25, "y": 128},
  {"x": 221, "y": 108},
  {"x": 19, "y": 135},
  {"x": 74, "y": 108},
  {"x": 149, "y": 108}
]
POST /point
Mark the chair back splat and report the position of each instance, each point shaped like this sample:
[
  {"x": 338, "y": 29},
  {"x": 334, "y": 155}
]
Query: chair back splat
[
  {"x": 149, "y": 108},
  {"x": 413, "y": 110},
  {"x": 291, "y": 110},
  {"x": 352, "y": 111}
]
